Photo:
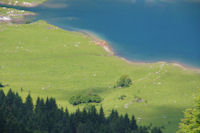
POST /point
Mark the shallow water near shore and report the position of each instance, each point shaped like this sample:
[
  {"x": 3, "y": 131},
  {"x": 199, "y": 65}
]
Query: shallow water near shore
[{"x": 139, "y": 30}]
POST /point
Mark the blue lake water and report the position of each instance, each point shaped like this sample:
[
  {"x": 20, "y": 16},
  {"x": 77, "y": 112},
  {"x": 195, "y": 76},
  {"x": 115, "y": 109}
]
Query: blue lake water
[{"x": 139, "y": 30}]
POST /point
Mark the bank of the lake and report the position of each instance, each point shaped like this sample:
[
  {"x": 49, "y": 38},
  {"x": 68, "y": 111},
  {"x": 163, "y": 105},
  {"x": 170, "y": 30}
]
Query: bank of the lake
[{"x": 105, "y": 45}]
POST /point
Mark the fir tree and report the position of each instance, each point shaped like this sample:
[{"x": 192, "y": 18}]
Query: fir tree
[
  {"x": 101, "y": 115},
  {"x": 133, "y": 123}
]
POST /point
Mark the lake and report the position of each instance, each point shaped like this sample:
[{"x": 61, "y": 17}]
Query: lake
[{"x": 139, "y": 30}]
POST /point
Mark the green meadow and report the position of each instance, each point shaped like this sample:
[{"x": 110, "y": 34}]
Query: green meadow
[{"x": 50, "y": 62}]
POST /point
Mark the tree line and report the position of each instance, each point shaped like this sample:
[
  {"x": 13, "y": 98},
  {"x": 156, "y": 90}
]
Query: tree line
[{"x": 17, "y": 116}]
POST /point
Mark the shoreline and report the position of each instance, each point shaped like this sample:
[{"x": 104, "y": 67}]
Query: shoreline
[
  {"x": 105, "y": 45},
  {"x": 102, "y": 43},
  {"x": 98, "y": 41}
]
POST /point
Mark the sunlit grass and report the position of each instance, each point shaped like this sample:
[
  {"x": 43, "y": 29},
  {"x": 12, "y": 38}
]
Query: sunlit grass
[{"x": 47, "y": 61}]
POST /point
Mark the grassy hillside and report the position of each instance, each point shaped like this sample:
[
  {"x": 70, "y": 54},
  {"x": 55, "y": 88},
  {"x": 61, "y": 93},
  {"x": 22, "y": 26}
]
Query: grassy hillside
[{"x": 47, "y": 61}]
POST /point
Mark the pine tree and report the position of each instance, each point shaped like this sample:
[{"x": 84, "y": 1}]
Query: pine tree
[
  {"x": 28, "y": 113},
  {"x": 2, "y": 119},
  {"x": 101, "y": 115},
  {"x": 126, "y": 121},
  {"x": 9, "y": 100},
  {"x": 113, "y": 115},
  {"x": 2, "y": 97},
  {"x": 17, "y": 108},
  {"x": 133, "y": 123},
  {"x": 40, "y": 115},
  {"x": 51, "y": 112},
  {"x": 29, "y": 105},
  {"x": 84, "y": 115},
  {"x": 66, "y": 122},
  {"x": 93, "y": 114}
]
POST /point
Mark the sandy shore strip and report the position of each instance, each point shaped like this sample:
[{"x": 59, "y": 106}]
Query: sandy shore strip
[{"x": 99, "y": 42}]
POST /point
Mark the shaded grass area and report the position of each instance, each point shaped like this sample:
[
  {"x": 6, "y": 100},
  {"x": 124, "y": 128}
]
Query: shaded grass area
[{"x": 47, "y": 61}]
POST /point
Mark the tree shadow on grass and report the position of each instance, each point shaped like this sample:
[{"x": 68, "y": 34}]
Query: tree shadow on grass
[{"x": 168, "y": 116}]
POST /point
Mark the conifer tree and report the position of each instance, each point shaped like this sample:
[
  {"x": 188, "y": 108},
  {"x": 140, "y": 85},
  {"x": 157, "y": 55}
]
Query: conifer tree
[
  {"x": 66, "y": 122},
  {"x": 101, "y": 115},
  {"x": 2, "y": 118},
  {"x": 2, "y": 96},
  {"x": 28, "y": 106},
  {"x": 9, "y": 100},
  {"x": 133, "y": 123},
  {"x": 28, "y": 112}
]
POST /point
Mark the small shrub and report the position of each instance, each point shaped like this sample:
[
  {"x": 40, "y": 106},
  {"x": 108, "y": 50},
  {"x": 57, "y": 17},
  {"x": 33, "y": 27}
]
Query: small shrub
[
  {"x": 124, "y": 81},
  {"x": 88, "y": 98}
]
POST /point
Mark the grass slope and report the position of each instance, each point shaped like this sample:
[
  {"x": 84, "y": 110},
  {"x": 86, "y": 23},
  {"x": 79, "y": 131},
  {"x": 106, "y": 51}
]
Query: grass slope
[{"x": 48, "y": 61}]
